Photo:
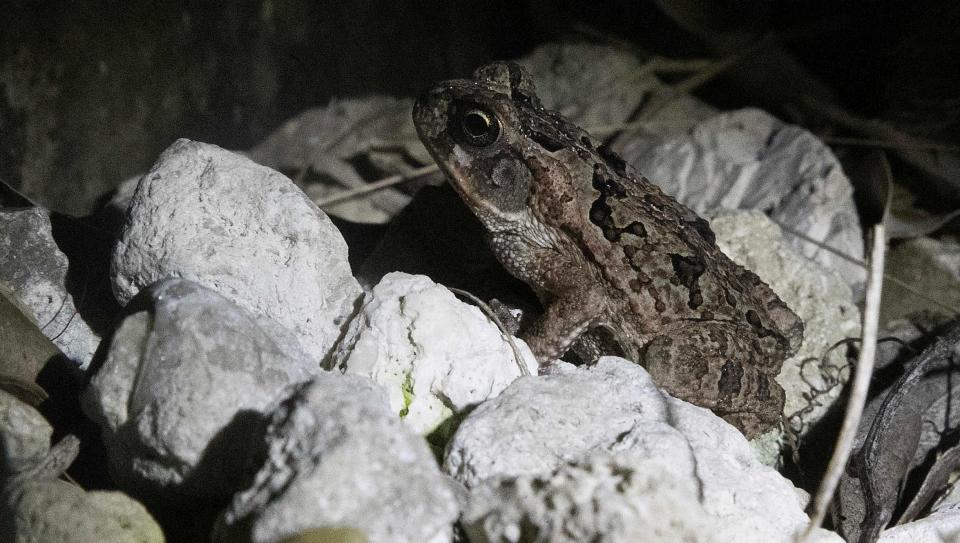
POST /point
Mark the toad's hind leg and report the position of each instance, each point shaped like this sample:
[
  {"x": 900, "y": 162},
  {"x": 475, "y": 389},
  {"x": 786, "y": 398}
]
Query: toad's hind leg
[{"x": 715, "y": 365}]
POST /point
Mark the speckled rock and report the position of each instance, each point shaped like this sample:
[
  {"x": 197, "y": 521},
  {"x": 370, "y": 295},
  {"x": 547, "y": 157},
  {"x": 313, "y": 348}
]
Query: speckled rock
[
  {"x": 34, "y": 270},
  {"x": 435, "y": 356},
  {"x": 613, "y": 498},
  {"x": 24, "y": 436},
  {"x": 243, "y": 230},
  {"x": 569, "y": 416},
  {"x": 54, "y": 511},
  {"x": 941, "y": 526},
  {"x": 338, "y": 457},
  {"x": 814, "y": 377},
  {"x": 182, "y": 395}
]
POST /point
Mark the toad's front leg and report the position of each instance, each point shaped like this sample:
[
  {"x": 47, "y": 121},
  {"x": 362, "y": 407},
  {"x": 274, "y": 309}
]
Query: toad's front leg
[{"x": 565, "y": 319}]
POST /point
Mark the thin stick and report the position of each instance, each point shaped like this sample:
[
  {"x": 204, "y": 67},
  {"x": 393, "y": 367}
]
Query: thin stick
[
  {"x": 861, "y": 384},
  {"x": 377, "y": 185},
  {"x": 496, "y": 320}
]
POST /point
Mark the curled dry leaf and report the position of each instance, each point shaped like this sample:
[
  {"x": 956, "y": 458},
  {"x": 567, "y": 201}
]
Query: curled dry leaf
[
  {"x": 24, "y": 351},
  {"x": 871, "y": 487}
]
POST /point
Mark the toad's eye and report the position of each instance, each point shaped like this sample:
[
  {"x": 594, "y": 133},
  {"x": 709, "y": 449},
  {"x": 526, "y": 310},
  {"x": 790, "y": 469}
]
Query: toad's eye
[{"x": 478, "y": 127}]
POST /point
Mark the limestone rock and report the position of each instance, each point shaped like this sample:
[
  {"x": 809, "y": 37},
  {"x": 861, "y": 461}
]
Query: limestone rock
[
  {"x": 54, "y": 511},
  {"x": 572, "y": 415},
  {"x": 243, "y": 230},
  {"x": 338, "y": 457},
  {"x": 435, "y": 356},
  {"x": 24, "y": 436},
  {"x": 185, "y": 388},
  {"x": 34, "y": 270}
]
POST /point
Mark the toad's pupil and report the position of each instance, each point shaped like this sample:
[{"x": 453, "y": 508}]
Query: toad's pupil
[{"x": 476, "y": 124}]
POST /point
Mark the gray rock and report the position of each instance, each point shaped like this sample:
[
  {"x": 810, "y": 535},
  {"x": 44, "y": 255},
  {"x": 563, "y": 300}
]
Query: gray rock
[
  {"x": 24, "y": 436},
  {"x": 573, "y": 415},
  {"x": 747, "y": 159},
  {"x": 34, "y": 270},
  {"x": 53, "y": 511},
  {"x": 184, "y": 390},
  {"x": 338, "y": 457},
  {"x": 243, "y": 230},
  {"x": 941, "y": 526}
]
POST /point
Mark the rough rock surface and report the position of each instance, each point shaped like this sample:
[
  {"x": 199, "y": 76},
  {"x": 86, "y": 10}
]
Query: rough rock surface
[
  {"x": 811, "y": 380},
  {"x": 614, "y": 407},
  {"x": 747, "y": 159},
  {"x": 617, "y": 497},
  {"x": 338, "y": 457},
  {"x": 435, "y": 356},
  {"x": 243, "y": 230},
  {"x": 34, "y": 270},
  {"x": 24, "y": 436},
  {"x": 939, "y": 527},
  {"x": 184, "y": 390},
  {"x": 53, "y": 511}
]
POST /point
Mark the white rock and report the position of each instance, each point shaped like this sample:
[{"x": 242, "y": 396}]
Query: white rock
[
  {"x": 24, "y": 435},
  {"x": 939, "y": 527},
  {"x": 748, "y": 159},
  {"x": 435, "y": 356},
  {"x": 34, "y": 270},
  {"x": 184, "y": 390},
  {"x": 613, "y": 498},
  {"x": 337, "y": 457},
  {"x": 243, "y": 230},
  {"x": 821, "y": 298},
  {"x": 615, "y": 407}
]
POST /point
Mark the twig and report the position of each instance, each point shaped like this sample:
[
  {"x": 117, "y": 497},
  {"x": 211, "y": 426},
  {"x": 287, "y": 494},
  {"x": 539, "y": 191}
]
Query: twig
[
  {"x": 858, "y": 391},
  {"x": 496, "y": 320},
  {"x": 377, "y": 185},
  {"x": 710, "y": 72}
]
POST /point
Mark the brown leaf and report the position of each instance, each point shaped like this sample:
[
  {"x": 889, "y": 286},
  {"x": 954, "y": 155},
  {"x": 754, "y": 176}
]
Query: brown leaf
[
  {"x": 24, "y": 351},
  {"x": 877, "y": 471}
]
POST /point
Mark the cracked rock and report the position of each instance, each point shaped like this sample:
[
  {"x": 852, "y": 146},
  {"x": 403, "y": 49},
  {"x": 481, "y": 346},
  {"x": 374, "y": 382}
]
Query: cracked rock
[
  {"x": 559, "y": 423},
  {"x": 185, "y": 388},
  {"x": 338, "y": 457},
  {"x": 243, "y": 230}
]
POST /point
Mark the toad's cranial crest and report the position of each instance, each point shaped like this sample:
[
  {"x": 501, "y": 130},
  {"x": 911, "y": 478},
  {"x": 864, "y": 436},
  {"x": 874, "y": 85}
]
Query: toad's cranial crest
[{"x": 620, "y": 267}]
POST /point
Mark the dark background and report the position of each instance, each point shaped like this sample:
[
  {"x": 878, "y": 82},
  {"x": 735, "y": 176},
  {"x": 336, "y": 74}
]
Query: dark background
[{"x": 93, "y": 91}]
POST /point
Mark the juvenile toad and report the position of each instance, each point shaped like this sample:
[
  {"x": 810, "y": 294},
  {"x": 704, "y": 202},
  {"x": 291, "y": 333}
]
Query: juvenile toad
[{"x": 620, "y": 267}]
